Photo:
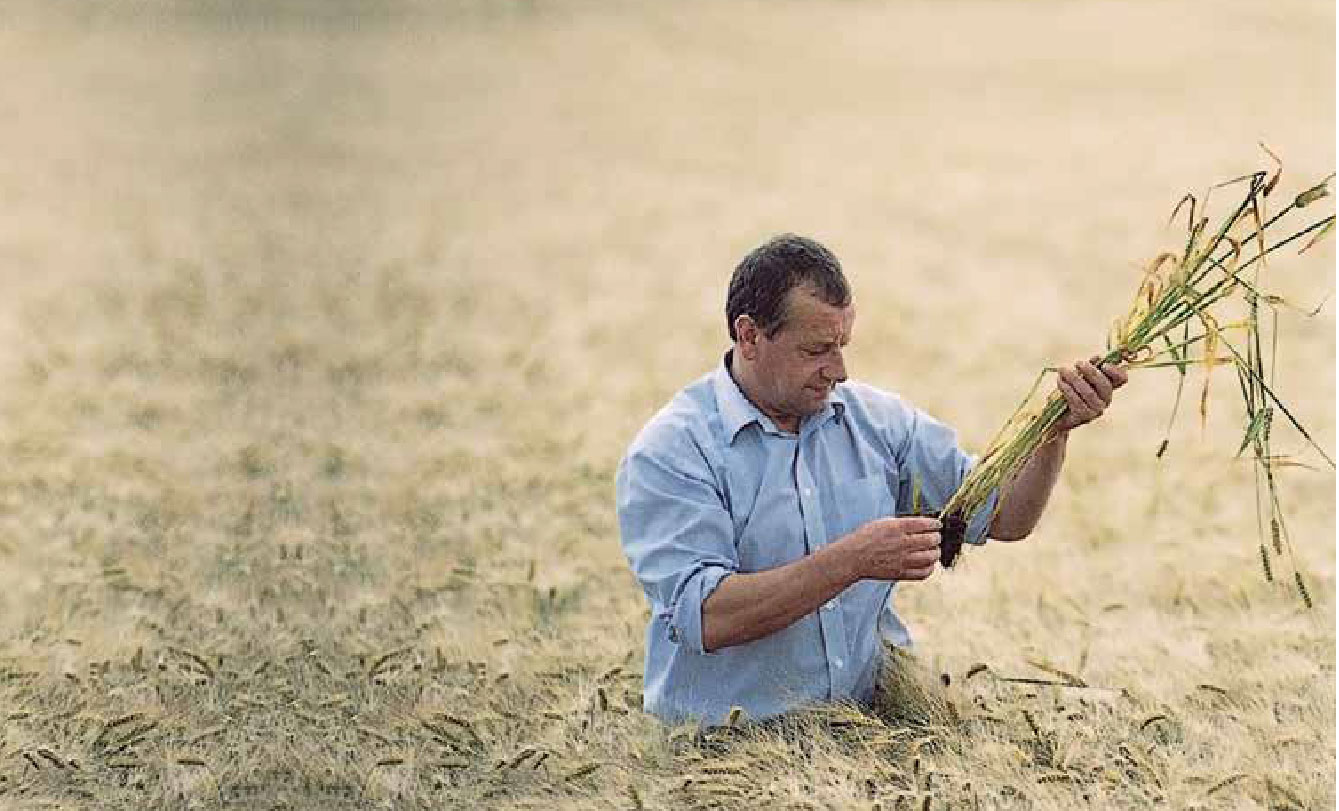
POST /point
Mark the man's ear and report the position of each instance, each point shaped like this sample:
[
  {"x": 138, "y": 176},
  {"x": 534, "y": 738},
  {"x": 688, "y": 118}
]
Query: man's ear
[{"x": 746, "y": 336}]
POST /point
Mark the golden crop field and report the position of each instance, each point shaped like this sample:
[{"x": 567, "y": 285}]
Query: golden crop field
[{"x": 326, "y": 324}]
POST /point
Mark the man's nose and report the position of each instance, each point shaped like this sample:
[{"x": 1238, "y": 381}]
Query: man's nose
[{"x": 836, "y": 371}]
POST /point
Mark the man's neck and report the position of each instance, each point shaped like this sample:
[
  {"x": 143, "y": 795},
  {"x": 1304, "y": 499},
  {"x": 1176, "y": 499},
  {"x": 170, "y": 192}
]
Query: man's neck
[{"x": 743, "y": 377}]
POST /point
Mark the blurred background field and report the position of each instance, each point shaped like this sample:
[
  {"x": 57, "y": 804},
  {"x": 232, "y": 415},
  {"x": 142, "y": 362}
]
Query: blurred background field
[{"x": 325, "y": 326}]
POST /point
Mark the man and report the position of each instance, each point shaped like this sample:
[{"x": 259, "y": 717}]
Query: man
[{"x": 757, "y": 507}]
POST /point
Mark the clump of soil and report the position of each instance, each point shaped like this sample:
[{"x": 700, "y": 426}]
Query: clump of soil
[{"x": 950, "y": 539}]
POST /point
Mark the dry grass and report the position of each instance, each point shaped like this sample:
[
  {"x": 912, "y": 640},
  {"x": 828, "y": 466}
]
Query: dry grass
[{"x": 323, "y": 338}]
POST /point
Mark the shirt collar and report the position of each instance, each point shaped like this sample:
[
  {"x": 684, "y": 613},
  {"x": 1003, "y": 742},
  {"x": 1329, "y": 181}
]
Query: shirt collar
[{"x": 737, "y": 411}]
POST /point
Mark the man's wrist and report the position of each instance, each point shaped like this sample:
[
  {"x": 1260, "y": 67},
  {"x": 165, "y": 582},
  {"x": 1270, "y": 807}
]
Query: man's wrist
[
  {"x": 1057, "y": 434},
  {"x": 842, "y": 562}
]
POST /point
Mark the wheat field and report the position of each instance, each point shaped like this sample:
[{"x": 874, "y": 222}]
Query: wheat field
[{"x": 326, "y": 324}]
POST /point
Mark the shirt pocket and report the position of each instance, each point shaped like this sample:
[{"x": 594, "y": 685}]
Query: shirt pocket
[{"x": 858, "y": 502}]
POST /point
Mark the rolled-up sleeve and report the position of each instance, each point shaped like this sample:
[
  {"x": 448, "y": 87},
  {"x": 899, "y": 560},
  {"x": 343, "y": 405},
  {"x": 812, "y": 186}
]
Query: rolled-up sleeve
[
  {"x": 931, "y": 460},
  {"x": 676, "y": 533}
]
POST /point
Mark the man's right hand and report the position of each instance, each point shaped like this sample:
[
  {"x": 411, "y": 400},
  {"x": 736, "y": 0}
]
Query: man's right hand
[
  {"x": 894, "y": 548},
  {"x": 750, "y": 605}
]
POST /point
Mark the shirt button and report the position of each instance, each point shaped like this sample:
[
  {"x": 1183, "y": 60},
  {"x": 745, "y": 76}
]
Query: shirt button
[
  {"x": 838, "y": 663},
  {"x": 828, "y": 606},
  {"x": 808, "y": 492}
]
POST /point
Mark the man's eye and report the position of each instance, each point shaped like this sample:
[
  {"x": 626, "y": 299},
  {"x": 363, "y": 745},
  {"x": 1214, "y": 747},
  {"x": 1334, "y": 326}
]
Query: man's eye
[{"x": 814, "y": 353}]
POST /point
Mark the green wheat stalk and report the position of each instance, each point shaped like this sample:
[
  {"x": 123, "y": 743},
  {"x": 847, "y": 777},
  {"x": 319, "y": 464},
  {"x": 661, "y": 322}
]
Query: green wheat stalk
[{"x": 1174, "y": 322}]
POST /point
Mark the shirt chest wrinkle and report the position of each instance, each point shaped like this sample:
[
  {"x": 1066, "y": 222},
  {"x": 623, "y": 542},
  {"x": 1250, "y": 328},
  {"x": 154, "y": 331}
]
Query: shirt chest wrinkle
[{"x": 780, "y": 500}]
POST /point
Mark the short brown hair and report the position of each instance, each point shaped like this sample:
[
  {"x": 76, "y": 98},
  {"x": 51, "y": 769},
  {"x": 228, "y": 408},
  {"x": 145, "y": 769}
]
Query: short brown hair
[{"x": 762, "y": 279}]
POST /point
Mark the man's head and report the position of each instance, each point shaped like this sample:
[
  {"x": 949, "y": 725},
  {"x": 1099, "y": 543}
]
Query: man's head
[{"x": 789, "y": 313}]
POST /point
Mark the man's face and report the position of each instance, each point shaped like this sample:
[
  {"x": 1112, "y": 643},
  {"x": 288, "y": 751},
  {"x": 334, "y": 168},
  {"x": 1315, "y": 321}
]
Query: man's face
[{"x": 797, "y": 368}]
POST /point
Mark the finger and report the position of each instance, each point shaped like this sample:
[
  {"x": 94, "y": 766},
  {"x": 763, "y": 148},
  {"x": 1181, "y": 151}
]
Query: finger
[
  {"x": 1087, "y": 398},
  {"x": 1084, "y": 388},
  {"x": 1098, "y": 381},
  {"x": 922, "y": 540},
  {"x": 915, "y": 524},
  {"x": 1115, "y": 372},
  {"x": 917, "y": 574},
  {"x": 1078, "y": 409},
  {"x": 922, "y": 558}
]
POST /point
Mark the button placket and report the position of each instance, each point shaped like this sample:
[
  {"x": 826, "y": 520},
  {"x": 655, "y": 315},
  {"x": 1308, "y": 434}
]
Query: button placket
[
  {"x": 809, "y": 510},
  {"x": 830, "y": 620}
]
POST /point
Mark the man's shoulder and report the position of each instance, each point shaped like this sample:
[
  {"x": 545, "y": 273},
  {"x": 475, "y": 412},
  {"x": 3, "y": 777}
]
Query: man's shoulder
[
  {"x": 894, "y": 418},
  {"x": 879, "y": 414},
  {"x": 681, "y": 423},
  {"x": 872, "y": 405}
]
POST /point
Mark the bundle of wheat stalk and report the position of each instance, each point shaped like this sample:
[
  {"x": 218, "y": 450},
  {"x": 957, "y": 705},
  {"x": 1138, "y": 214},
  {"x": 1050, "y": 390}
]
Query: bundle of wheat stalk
[{"x": 1178, "y": 320}]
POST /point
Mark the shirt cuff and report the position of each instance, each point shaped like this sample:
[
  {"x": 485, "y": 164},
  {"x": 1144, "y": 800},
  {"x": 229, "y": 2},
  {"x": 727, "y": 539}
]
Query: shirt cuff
[
  {"x": 685, "y": 617},
  {"x": 980, "y": 521}
]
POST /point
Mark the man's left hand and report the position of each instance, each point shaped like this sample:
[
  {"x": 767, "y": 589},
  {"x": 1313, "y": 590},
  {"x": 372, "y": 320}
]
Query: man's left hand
[{"x": 1087, "y": 390}]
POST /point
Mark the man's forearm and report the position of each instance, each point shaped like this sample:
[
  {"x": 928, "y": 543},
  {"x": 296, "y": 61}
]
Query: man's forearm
[
  {"x": 1023, "y": 500},
  {"x": 749, "y": 606}
]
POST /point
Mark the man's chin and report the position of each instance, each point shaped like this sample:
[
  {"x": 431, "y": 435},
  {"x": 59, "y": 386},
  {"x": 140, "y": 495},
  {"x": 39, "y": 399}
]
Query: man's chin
[{"x": 815, "y": 399}]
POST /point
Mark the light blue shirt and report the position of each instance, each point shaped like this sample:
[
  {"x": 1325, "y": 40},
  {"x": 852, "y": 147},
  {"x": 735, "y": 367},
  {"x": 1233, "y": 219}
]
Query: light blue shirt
[{"x": 711, "y": 487}]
